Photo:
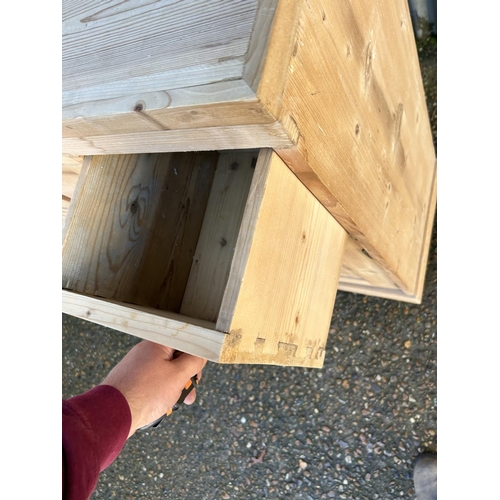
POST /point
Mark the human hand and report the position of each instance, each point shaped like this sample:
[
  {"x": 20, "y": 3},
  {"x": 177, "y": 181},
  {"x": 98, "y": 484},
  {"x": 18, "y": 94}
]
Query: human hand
[{"x": 152, "y": 380}]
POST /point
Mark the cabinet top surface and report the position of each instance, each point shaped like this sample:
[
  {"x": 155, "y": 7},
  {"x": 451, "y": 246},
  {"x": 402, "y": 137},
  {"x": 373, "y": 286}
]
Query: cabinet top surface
[{"x": 138, "y": 46}]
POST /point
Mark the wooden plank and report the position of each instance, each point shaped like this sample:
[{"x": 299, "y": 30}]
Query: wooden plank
[
  {"x": 181, "y": 66},
  {"x": 245, "y": 240},
  {"x": 333, "y": 87},
  {"x": 281, "y": 291},
  {"x": 220, "y": 92},
  {"x": 221, "y": 225},
  {"x": 139, "y": 118},
  {"x": 202, "y": 139},
  {"x": 65, "y": 207},
  {"x": 279, "y": 51},
  {"x": 71, "y": 167},
  {"x": 353, "y": 99},
  {"x": 361, "y": 274},
  {"x": 135, "y": 227},
  {"x": 143, "y": 46},
  {"x": 257, "y": 48},
  {"x": 358, "y": 266},
  {"x": 70, "y": 201},
  {"x": 173, "y": 330}
]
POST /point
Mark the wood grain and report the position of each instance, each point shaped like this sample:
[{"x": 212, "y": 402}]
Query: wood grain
[
  {"x": 334, "y": 87},
  {"x": 358, "y": 266},
  {"x": 203, "y": 139},
  {"x": 219, "y": 234},
  {"x": 173, "y": 330},
  {"x": 112, "y": 50},
  {"x": 70, "y": 197},
  {"x": 360, "y": 273},
  {"x": 353, "y": 99},
  {"x": 284, "y": 274},
  {"x": 135, "y": 227},
  {"x": 139, "y": 118},
  {"x": 257, "y": 49},
  {"x": 71, "y": 168},
  {"x": 140, "y": 67}
]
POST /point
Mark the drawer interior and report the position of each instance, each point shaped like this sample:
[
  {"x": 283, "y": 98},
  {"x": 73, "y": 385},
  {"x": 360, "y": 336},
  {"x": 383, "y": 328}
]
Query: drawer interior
[{"x": 157, "y": 230}]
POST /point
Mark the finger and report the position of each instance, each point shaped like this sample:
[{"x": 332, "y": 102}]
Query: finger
[
  {"x": 168, "y": 352},
  {"x": 190, "y": 398},
  {"x": 188, "y": 365}
]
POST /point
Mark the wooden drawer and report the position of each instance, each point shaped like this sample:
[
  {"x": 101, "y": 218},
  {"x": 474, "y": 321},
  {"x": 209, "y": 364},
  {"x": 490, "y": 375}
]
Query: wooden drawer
[
  {"x": 226, "y": 255},
  {"x": 333, "y": 87}
]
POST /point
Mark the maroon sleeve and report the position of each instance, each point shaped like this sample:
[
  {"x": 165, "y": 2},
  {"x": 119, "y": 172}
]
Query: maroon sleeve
[{"x": 95, "y": 428}]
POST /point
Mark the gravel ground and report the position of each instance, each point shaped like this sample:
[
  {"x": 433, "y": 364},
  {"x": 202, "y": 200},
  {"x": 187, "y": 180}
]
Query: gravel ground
[{"x": 349, "y": 431}]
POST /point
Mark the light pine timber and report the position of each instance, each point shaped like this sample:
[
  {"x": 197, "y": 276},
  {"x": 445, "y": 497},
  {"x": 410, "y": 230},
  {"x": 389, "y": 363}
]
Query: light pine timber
[
  {"x": 142, "y": 119},
  {"x": 202, "y": 139},
  {"x": 341, "y": 80},
  {"x": 206, "y": 285},
  {"x": 358, "y": 266},
  {"x": 118, "y": 80},
  {"x": 135, "y": 226},
  {"x": 218, "y": 238},
  {"x": 361, "y": 274},
  {"x": 173, "y": 330},
  {"x": 352, "y": 97},
  {"x": 282, "y": 283},
  {"x": 143, "y": 46},
  {"x": 281, "y": 291},
  {"x": 71, "y": 168}
]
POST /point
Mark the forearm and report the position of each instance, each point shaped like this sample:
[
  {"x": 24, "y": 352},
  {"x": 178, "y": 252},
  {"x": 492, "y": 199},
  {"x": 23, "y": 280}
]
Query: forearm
[{"x": 95, "y": 425}]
